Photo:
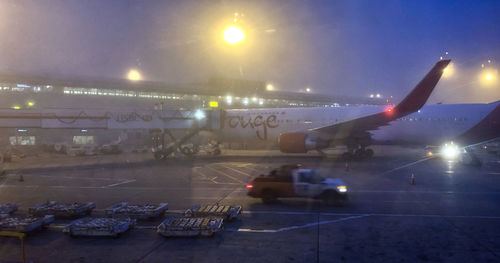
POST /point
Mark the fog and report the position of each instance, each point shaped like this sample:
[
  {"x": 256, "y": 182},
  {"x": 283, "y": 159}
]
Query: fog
[{"x": 349, "y": 48}]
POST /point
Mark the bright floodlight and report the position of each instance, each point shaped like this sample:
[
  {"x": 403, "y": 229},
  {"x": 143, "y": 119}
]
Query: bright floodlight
[
  {"x": 448, "y": 71},
  {"x": 134, "y": 75},
  {"x": 450, "y": 151},
  {"x": 233, "y": 35},
  {"x": 308, "y": 89},
  {"x": 488, "y": 76},
  {"x": 199, "y": 114},
  {"x": 269, "y": 87}
]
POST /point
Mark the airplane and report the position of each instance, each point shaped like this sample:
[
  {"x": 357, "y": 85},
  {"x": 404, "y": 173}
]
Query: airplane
[{"x": 299, "y": 130}]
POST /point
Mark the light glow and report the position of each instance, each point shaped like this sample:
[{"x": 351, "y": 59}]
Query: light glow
[
  {"x": 199, "y": 115},
  {"x": 342, "y": 188},
  {"x": 134, "y": 75},
  {"x": 449, "y": 70},
  {"x": 488, "y": 76},
  {"x": 450, "y": 151},
  {"x": 233, "y": 35}
]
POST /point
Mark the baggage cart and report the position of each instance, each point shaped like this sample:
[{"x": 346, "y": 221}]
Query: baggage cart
[
  {"x": 24, "y": 224},
  {"x": 190, "y": 226},
  {"x": 62, "y": 210},
  {"x": 98, "y": 227},
  {"x": 141, "y": 212},
  {"x": 226, "y": 212},
  {"x": 8, "y": 209}
]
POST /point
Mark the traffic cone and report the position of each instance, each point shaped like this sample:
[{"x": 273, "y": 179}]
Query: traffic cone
[
  {"x": 347, "y": 168},
  {"x": 21, "y": 178},
  {"x": 412, "y": 179}
]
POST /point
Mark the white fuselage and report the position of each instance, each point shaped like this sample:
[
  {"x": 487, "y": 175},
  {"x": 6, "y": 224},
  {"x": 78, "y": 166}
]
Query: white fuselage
[{"x": 432, "y": 124}]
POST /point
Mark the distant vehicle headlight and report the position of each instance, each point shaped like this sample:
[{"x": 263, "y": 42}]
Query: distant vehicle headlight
[
  {"x": 342, "y": 188},
  {"x": 450, "y": 151}
]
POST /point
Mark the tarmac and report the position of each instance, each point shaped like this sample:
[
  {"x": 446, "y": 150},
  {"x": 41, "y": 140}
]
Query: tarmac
[{"x": 450, "y": 214}]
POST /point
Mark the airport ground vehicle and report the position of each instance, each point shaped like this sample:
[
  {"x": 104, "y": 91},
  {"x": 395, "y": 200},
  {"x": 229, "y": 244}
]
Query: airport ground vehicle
[{"x": 295, "y": 181}]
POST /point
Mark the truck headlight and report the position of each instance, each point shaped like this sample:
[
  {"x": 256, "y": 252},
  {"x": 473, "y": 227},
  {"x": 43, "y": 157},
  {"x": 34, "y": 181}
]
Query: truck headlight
[
  {"x": 450, "y": 151},
  {"x": 342, "y": 188}
]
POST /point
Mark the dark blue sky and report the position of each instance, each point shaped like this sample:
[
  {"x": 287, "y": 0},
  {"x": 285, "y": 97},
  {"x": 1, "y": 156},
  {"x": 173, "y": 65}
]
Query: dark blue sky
[{"x": 334, "y": 47}]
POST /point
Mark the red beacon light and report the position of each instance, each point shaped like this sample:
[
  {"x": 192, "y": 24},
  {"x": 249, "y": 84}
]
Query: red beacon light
[
  {"x": 389, "y": 110},
  {"x": 249, "y": 186}
]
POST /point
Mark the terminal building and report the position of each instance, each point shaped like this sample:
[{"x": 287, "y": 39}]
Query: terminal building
[
  {"x": 34, "y": 93},
  {"x": 26, "y": 92}
]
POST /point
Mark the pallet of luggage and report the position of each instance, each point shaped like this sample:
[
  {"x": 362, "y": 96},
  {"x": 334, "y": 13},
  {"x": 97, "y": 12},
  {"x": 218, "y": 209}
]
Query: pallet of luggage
[
  {"x": 199, "y": 220},
  {"x": 98, "y": 227},
  {"x": 23, "y": 224},
  {"x": 62, "y": 210},
  {"x": 141, "y": 212}
]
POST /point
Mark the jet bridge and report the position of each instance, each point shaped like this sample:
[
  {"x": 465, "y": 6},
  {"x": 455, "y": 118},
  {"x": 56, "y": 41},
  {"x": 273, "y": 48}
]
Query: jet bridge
[{"x": 160, "y": 123}]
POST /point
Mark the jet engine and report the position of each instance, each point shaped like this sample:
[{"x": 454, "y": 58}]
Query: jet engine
[{"x": 294, "y": 142}]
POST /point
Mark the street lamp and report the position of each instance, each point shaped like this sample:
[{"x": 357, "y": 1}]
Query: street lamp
[
  {"x": 233, "y": 35},
  {"x": 488, "y": 76},
  {"x": 134, "y": 75}
]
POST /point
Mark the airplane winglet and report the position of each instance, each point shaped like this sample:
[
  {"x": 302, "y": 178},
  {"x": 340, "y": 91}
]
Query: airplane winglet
[{"x": 419, "y": 95}]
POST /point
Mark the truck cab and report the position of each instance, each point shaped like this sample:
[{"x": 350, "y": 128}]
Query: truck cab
[{"x": 289, "y": 181}]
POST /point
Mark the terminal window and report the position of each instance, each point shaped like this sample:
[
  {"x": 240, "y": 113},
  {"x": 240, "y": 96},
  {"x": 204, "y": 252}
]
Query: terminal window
[{"x": 22, "y": 140}]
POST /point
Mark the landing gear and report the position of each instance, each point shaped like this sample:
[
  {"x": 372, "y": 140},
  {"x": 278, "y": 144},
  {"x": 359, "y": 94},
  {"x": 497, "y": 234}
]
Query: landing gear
[
  {"x": 357, "y": 154},
  {"x": 188, "y": 150},
  {"x": 159, "y": 156}
]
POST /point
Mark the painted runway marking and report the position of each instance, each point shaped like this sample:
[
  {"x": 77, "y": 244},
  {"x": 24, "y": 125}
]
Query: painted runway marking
[
  {"x": 423, "y": 192},
  {"x": 249, "y": 166},
  {"x": 298, "y": 227},
  {"x": 120, "y": 183},
  {"x": 83, "y": 178},
  {"x": 205, "y": 177},
  {"x": 232, "y": 169},
  {"x": 370, "y": 214},
  {"x": 124, "y": 188},
  {"x": 225, "y": 174},
  {"x": 406, "y": 165}
]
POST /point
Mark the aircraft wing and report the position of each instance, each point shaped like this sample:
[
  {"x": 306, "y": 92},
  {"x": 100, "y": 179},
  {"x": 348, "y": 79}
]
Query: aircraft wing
[{"x": 410, "y": 104}]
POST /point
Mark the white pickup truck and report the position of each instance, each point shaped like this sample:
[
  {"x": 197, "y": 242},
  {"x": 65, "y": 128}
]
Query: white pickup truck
[{"x": 295, "y": 181}]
